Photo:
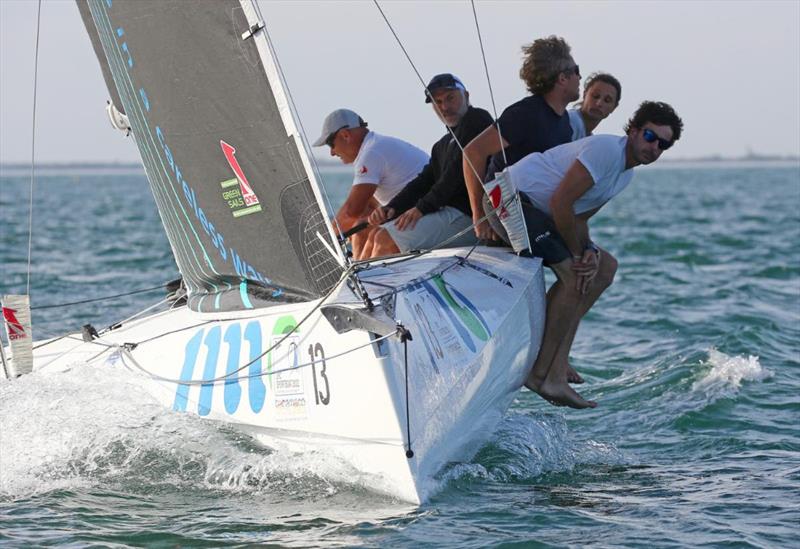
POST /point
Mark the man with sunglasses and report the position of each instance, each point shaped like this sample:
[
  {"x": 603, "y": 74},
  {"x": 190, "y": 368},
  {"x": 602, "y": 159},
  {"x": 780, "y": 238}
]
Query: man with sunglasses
[
  {"x": 434, "y": 207},
  {"x": 383, "y": 165},
  {"x": 561, "y": 189},
  {"x": 533, "y": 124}
]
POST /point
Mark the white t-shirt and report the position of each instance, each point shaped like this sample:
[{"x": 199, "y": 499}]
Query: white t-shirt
[
  {"x": 539, "y": 174},
  {"x": 389, "y": 163},
  {"x": 576, "y": 122}
]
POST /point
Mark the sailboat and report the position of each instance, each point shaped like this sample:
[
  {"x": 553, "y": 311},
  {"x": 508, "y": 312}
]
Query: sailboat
[{"x": 395, "y": 366}]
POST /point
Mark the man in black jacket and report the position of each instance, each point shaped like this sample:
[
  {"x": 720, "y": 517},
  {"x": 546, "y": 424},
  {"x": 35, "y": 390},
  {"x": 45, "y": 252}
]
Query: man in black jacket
[{"x": 434, "y": 206}]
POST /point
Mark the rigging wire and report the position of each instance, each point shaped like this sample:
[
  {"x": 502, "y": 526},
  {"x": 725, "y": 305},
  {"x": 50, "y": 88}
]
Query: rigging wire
[
  {"x": 301, "y": 128},
  {"x": 489, "y": 82},
  {"x": 33, "y": 144},
  {"x": 419, "y": 77},
  {"x": 450, "y": 130},
  {"x": 105, "y": 298}
]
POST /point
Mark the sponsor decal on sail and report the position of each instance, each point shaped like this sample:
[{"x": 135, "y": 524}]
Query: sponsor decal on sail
[{"x": 237, "y": 192}]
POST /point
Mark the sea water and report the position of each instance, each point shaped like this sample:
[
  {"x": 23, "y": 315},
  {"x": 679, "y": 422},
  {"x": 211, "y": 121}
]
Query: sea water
[{"x": 693, "y": 355}]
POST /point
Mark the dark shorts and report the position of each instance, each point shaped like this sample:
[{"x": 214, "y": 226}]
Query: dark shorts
[{"x": 545, "y": 240}]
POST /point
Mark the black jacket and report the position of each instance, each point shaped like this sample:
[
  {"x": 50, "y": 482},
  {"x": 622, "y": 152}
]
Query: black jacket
[{"x": 441, "y": 181}]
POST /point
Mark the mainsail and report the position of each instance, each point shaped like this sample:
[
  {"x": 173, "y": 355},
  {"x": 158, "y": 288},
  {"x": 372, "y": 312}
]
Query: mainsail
[{"x": 227, "y": 168}]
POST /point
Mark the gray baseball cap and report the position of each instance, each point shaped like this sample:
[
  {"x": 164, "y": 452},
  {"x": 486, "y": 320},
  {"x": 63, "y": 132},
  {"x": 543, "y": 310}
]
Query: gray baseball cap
[{"x": 337, "y": 120}]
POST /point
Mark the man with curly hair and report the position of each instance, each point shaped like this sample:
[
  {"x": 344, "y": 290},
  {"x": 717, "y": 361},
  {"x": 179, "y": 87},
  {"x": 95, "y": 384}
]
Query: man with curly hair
[
  {"x": 561, "y": 189},
  {"x": 533, "y": 124}
]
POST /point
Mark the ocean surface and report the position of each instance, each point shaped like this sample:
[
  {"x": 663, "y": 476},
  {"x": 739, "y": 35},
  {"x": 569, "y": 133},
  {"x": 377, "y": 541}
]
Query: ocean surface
[{"x": 693, "y": 355}]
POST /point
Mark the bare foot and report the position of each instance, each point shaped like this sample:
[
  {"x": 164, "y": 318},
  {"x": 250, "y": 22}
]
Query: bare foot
[
  {"x": 532, "y": 382},
  {"x": 573, "y": 376},
  {"x": 564, "y": 395}
]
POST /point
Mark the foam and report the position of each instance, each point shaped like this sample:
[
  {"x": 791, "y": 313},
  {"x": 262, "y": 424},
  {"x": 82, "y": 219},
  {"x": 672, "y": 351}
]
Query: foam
[
  {"x": 529, "y": 444},
  {"x": 95, "y": 425},
  {"x": 727, "y": 373}
]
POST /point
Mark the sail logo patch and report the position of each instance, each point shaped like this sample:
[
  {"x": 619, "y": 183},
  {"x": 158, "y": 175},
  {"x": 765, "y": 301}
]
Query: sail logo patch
[
  {"x": 237, "y": 192},
  {"x": 15, "y": 328}
]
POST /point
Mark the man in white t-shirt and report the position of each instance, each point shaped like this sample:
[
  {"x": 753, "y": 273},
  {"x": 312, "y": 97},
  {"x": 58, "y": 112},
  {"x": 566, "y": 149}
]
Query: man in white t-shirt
[
  {"x": 561, "y": 189},
  {"x": 383, "y": 165}
]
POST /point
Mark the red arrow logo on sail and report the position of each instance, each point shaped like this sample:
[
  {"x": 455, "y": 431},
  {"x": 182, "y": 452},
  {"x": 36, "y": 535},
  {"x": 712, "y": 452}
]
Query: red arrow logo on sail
[
  {"x": 15, "y": 329},
  {"x": 249, "y": 196}
]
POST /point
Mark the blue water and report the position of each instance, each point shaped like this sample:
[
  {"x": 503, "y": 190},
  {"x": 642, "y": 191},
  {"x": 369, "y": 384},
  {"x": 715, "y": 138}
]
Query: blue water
[{"x": 693, "y": 355}]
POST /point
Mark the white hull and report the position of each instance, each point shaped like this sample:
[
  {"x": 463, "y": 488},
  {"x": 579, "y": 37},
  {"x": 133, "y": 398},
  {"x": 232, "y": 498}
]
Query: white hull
[{"x": 476, "y": 330}]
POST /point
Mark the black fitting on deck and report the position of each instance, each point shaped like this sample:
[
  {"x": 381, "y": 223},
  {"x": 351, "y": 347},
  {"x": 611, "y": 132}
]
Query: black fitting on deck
[{"x": 89, "y": 332}]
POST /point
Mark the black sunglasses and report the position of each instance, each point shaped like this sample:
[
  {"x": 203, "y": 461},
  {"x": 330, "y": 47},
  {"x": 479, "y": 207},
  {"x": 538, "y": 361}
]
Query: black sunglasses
[
  {"x": 332, "y": 137},
  {"x": 576, "y": 69},
  {"x": 650, "y": 136}
]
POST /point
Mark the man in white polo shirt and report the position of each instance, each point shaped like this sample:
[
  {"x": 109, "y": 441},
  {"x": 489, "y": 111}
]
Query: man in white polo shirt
[
  {"x": 561, "y": 189},
  {"x": 383, "y": 165}
]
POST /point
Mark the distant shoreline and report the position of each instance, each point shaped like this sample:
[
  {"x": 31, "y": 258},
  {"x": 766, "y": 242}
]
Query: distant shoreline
[{"x": 16, "y": 169}]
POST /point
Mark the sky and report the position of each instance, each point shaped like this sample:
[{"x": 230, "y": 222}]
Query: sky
[{"x": 730, "y": 69}]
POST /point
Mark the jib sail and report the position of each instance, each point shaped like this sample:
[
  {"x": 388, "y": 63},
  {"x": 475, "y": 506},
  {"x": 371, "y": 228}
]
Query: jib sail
[{"x": 225, "y": 162}]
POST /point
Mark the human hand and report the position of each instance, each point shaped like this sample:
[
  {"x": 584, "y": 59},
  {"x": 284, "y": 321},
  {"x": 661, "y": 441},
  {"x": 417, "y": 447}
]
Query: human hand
[
  {"x": 380, "y": 215},
  {"x": 586, "y": 267},
  {"x": 408, "y": 220},
  {"x": 483, "y": 230}
]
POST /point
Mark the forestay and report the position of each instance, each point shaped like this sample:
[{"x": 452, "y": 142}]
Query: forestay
[{"x": 226, "y": 166}]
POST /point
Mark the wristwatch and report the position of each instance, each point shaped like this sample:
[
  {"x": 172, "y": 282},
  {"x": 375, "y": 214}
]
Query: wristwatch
[{"x": 591, "y": 246}]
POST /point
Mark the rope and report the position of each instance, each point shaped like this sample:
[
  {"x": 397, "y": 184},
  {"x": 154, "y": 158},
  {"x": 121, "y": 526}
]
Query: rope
[
  {"x": 249, "y": 376},
  {"x": 105, "y": 298},
  {"x": 33, "y": 143}
]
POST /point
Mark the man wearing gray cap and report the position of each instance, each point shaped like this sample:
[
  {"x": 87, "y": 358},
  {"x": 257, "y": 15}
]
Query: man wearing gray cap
[
  {"x": 383, "y": 165},
  {"x": 435, "y": 207}
]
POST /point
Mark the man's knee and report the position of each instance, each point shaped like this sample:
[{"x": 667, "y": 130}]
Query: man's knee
[
  {"x": 566, "y": 276},
  {"x": 608, "y": 268},
  {"x": 384, "y": 244}
]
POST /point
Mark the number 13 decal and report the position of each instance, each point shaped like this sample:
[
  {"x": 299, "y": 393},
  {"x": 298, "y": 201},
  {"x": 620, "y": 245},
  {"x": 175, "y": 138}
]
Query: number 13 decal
[{"x": 314, "y": 351}]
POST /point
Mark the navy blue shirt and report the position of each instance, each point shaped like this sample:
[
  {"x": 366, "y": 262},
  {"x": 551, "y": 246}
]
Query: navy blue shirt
[{"x": 529, "y": 126}]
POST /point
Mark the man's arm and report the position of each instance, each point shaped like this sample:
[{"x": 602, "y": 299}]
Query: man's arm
[
  {"x": 356, "y": 207},
  {"x": 573, "y": 229},
  {"x": 449, "y": 187},
  {"x": 414, "y": 189},
  {"x": 488, "y": 142}
]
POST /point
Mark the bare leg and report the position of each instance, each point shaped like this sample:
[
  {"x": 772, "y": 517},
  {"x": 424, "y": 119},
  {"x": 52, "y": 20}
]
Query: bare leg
[
  {"x": 572, "y": 375},
  {"x": 547, "y": 378},
  {"x": 358, "y": 241},
  {"x": 384, "y": 245},
  {"x": 604, "y": 279},
  {"x": 363, "y": 242}
]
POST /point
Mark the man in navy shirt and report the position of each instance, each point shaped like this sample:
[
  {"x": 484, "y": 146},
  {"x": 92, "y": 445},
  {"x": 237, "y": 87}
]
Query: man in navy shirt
[{"x": 533, "y": 124}]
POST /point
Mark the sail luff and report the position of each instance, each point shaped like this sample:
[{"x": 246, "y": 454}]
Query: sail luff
[{"x": 279, "y": 91}]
